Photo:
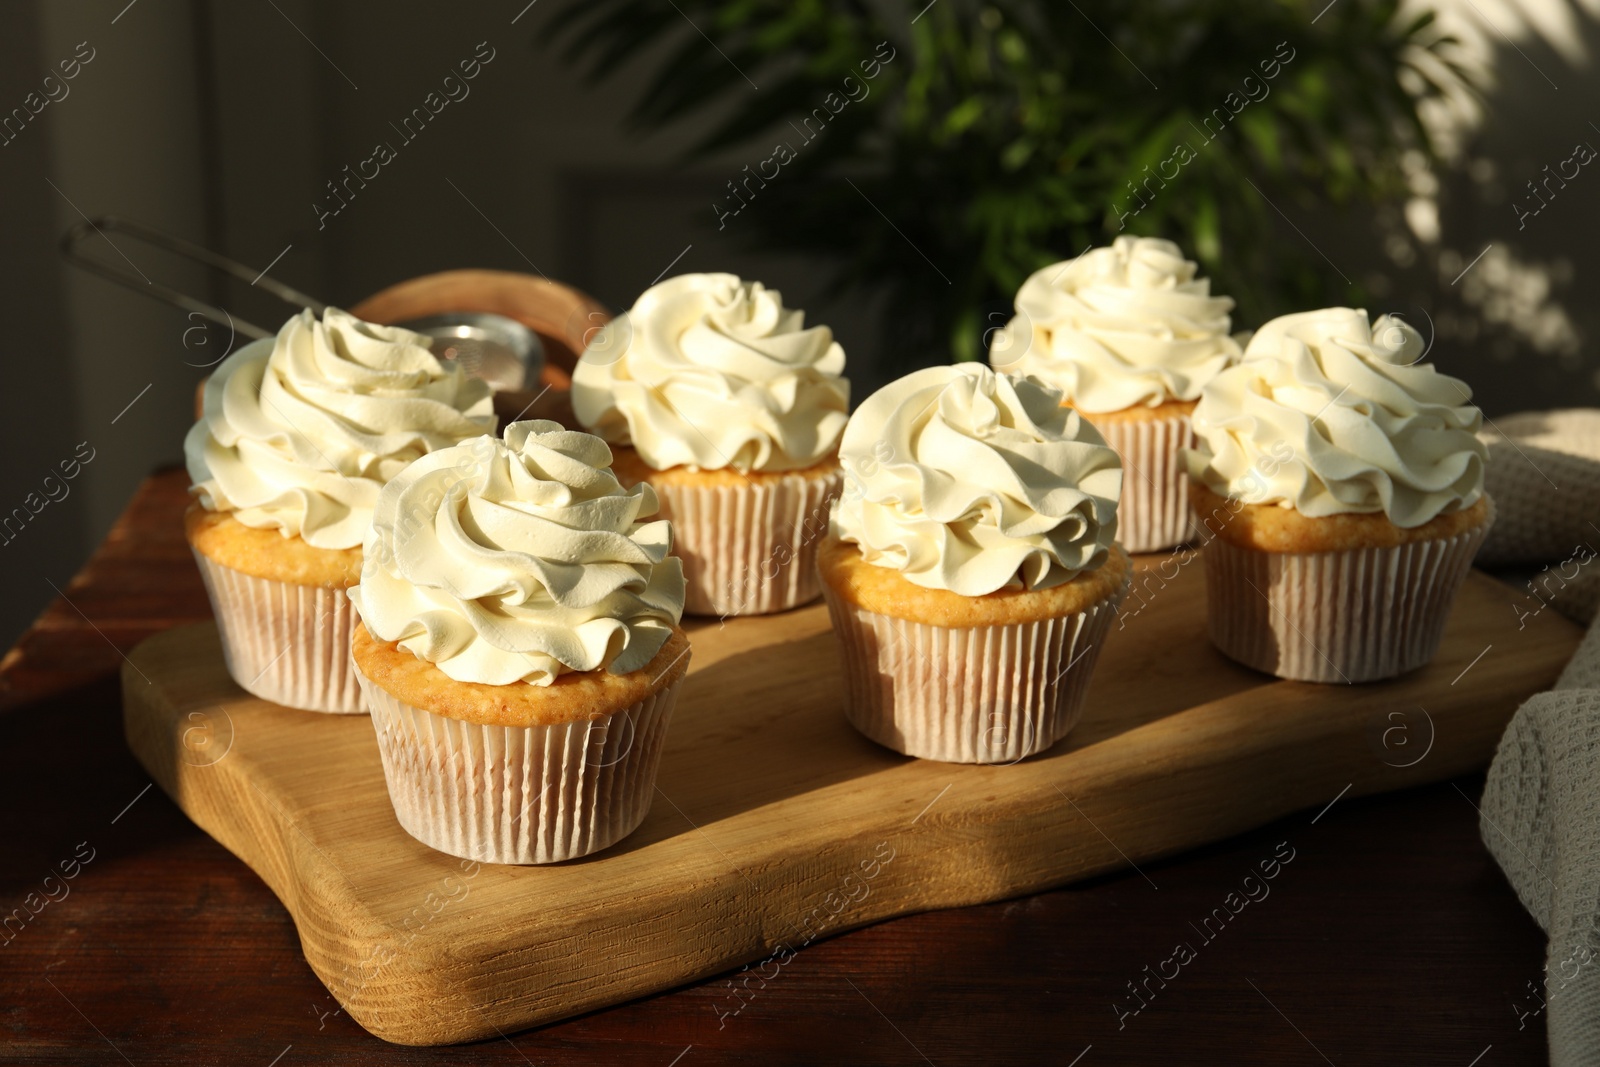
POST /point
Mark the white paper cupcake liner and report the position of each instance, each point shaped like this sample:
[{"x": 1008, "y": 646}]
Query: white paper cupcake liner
[
  {"x": 505, "y": 794},
  {"x": 1153, "y": 513},
  {"x": 984, "y": 694},
  {"x": 750, "y": 549},
  {"x": 1352, "y": 616},
  {"x": 286, "y": 643}
]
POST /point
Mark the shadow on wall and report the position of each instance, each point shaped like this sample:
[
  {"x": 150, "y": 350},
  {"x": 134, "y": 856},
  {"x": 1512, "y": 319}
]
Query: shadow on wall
[
  {"x": 1490, "y": 256},
  {"x": 1527, "y": 201}
]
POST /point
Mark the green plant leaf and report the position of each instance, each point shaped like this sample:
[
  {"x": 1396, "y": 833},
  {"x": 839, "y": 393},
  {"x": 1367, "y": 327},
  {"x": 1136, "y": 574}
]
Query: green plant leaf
[{"x": 1005, "y": 135}]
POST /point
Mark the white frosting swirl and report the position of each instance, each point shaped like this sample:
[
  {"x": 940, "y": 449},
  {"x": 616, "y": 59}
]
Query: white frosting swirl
[
  {"x": 709, "y": 371},
  {"x": 972, "y": 481},
  {"x": 521, "y": 560},
  {"x": 1329, "y": 415},
  {"x": 1119, "y": 327},
  {"x": 300, "y": 432}
]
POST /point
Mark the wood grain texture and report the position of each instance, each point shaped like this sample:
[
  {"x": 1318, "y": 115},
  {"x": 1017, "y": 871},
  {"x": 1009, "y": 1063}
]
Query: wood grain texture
[
  {"x": 768, "y": 801},
  {"x": 141, "y": 580},
  {"x": 1393, "y": 938}
]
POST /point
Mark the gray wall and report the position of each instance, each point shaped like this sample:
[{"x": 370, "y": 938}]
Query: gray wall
[
  {"x": 122, "y": 136},
  {"x": 40, "y": 425},
  {"x": 222, "y": 122}
]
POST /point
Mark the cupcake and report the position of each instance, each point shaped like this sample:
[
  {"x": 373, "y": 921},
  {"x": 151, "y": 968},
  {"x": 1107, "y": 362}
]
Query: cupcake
[
  {"x": 1339, "y": 486},
  {"x": 519, "y": 646},
  {"x": 971, "y": 568},
  {"x": 297, "y": 435},
  {"x": 1131, "y": 336},
  {"x": 717, "y": 395}
]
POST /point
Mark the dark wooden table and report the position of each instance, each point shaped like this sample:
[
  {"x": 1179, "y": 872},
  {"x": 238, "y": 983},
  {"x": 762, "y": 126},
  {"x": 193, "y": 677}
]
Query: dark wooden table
[{"x": 1390, "y": 938}]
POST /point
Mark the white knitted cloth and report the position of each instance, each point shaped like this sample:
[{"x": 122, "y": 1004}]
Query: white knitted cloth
[
  {"x": 1544, "y": 476},
  {"x": 1541, "y": 803}
]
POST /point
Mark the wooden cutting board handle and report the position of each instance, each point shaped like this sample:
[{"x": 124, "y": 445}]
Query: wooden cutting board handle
[{"x": 563, "y": 317}]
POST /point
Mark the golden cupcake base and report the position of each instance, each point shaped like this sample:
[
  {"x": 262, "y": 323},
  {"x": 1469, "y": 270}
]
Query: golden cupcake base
[
  {"x": 282, "y": 610},
  {"x": 748, "y": 541},
  {"x": 519, "y": 774},
  {"x": 1354, "y": 614},
  {"x": 928, "y": 679},
  {"x": 1153, "y": 513}
]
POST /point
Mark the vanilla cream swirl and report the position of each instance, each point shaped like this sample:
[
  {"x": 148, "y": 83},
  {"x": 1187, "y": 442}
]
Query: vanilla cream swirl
[
  {"x": 1330, "y": 415},
  {"x": 300, "y": 432},
  {"x": 1119, "y": 327},
  {"x": 521, "y": 560},
  {"x": 710, "y": 371},
  {"x": 971, "y": 481}
]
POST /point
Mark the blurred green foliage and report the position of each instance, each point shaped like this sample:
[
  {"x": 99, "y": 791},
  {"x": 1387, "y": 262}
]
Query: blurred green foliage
[{"x": 1007, "y": 135}]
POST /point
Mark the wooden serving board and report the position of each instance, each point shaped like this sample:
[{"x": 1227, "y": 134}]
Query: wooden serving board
[{"x": 775, "y": 823}]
